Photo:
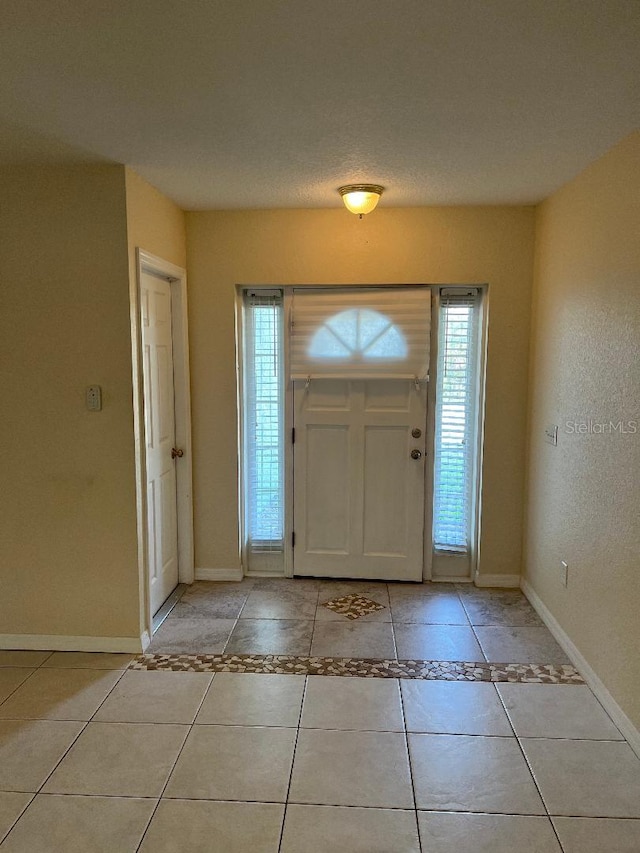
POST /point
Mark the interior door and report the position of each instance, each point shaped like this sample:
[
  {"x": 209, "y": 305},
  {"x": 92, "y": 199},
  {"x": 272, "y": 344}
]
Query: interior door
[
  {"x": 160, "y": 433},
  {"x": 359, "y": 477}
]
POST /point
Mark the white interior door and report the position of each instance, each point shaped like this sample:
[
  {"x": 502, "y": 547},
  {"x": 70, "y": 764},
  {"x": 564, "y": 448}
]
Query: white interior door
[
  {"x": 358, "y": 492},
  {"x": 160, "y": 432}
]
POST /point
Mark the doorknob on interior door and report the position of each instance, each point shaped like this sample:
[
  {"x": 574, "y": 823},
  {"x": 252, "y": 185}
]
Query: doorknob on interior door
[
  {"x": 416, "y": 454},
  {"x": 177, "y": 451}
]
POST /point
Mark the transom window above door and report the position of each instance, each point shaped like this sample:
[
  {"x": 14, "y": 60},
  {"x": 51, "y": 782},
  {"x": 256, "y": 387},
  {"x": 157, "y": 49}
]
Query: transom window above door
[{"x": 364, "y": 333}]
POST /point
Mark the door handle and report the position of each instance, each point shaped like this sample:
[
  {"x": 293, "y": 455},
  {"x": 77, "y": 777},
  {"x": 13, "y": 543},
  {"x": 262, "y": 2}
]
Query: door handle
[
  {"x": 416, "y": 454},
  {"x": 177, "y": 452}
]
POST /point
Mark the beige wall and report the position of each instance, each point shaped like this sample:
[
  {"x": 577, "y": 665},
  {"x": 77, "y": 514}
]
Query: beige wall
[
  {"x": 420, "y": 245},
  {"x": 584, "y": 494},
  {"x": 68, "y": 547},
  {"x": 154, "y": 223}
]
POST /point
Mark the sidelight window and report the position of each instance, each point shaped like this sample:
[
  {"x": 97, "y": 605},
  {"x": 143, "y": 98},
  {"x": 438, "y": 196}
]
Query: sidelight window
[
  {"x": 456, "y": 416},
  {"x": 263, "y": 420}
]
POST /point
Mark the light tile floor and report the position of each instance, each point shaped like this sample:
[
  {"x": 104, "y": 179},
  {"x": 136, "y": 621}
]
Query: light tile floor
[{"x": 99, "y": 758}]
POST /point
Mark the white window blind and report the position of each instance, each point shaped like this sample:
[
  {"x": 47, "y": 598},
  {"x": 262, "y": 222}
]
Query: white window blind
[
  {"x": 455, "y": 438},
  {"x": 263, "y": 421},
  {"x": 367, "y": 333}
]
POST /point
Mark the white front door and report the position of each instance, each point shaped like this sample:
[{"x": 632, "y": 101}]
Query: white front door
[
  {"x": 160, "y": 433},
  {"x": 358, "y": 492}
]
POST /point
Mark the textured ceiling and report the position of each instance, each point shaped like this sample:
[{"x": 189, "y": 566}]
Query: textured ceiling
[{"x": 275, "y": 103}]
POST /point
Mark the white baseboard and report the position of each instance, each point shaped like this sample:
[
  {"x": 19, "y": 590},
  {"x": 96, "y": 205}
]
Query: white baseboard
[
  {"x": 145, "y": 641},
  {"x": 219, "y": 574},
  {"x": 62, "y": 643},
  {"x": 509, "y": 581},
  {"x": 629, "y": 731}
]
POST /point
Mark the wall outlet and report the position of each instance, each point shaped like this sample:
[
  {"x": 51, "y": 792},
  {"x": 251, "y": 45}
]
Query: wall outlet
[
  {"x": 551, "y": 434},
  {"x": 564, "y": 573}
]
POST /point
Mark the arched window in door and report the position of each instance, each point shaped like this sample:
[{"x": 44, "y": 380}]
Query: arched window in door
[{"x": 358, "y": 334}]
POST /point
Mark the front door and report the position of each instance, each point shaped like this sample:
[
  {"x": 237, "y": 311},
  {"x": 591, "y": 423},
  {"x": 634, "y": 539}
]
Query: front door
[
  {"x": 359, "y": 478},
  {"x": 160, "y": 435}
]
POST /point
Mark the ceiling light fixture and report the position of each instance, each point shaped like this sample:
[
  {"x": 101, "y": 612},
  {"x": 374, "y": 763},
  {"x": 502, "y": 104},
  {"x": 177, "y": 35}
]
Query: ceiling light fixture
[{"x": 360, "y": 198}]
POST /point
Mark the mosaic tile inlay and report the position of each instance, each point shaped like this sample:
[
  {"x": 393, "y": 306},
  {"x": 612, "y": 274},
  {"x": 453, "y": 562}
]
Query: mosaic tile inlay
[
  {"x": 353, "y": 606},
  {"x": 362, "y": 668}
]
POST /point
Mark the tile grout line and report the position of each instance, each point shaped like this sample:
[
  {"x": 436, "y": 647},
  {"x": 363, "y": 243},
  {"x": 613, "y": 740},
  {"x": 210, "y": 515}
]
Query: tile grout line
[
  {"x": 122, "y": 674},
  {"x": 206, "y": 618},
  {"x": 528, "y": 765},
  {"x": 406, "y": 744},
  {"x": 235, "y": 625},
  {"x": 293, "y": 759},
  {"x": 15, "y": 689},
  {"x": 236, "y": 621},
  {"x": 313, "y": 625},
  {"x": 173, "y": 766},
  {"x": 468, "y": 618},
  {"x": 266, "y": 618},
  {"x": 65, "y": 753},
  {"x": 472, "y": 626},
  {"x": 84, "y": 728},
  {"x": 394, "y": 639},
  {"x": 480, "y": 646},
  {"x": 4, "y": 836}
]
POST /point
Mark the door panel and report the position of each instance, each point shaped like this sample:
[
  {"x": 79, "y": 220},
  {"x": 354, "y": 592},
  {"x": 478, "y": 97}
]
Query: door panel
[
  {"x": 358, "y": 495},
  {"x": 327, "y": 492},
  {"x": 382, "y": 395},
  {"x": 159, "y": 419},
  {"x": 164, "y": 382},
  {"x": 151, "y": 516},
  {"x": 328, "y": 395},
  {"x": 385, "y": 491}
]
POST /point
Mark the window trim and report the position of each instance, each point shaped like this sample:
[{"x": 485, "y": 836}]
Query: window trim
[
  {"x": 256, "y": 561},
  {"x": 449, "y": 566},
  {"x": 467, "y": 297}
]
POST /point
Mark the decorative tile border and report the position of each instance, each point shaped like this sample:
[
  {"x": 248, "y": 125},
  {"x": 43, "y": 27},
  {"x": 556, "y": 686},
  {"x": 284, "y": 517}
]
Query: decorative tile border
[
  {"x": 529, "y": 673},
  {"x": 353, "y": 606},
  {"x": 362, "y": 668}
]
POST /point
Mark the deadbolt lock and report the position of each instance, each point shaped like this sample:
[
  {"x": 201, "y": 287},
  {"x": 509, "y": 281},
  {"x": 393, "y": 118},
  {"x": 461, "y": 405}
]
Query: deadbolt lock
[
  {"x": 416, "y": 454},
  {"x": 416, "y": 433},
  {"x": 177, "y": 452}
]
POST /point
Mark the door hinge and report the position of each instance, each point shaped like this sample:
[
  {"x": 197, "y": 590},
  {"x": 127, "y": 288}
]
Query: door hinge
[
  {"x": 293, "y": 540},
  {"x": 293, "y": 435}
]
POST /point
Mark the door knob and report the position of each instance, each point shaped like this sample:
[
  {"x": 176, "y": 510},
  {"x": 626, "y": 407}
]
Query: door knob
[
  {"x": 175, "y": 451},
  {"x": 416, "y": 454}
]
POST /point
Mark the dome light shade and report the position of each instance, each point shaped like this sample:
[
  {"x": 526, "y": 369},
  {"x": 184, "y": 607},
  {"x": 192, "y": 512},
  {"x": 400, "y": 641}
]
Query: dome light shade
[{"x": 360, "y": 198}]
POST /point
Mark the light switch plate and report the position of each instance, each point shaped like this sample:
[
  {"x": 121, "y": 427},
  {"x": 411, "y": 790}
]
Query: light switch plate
[
  {"x": 551, "y": 434},
  {"x": 94, "y": 398}
]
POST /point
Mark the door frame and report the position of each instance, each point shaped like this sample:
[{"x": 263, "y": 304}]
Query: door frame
[
  {"x": 177, "y": 279},
  {"x": 435, "y": 288}
]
